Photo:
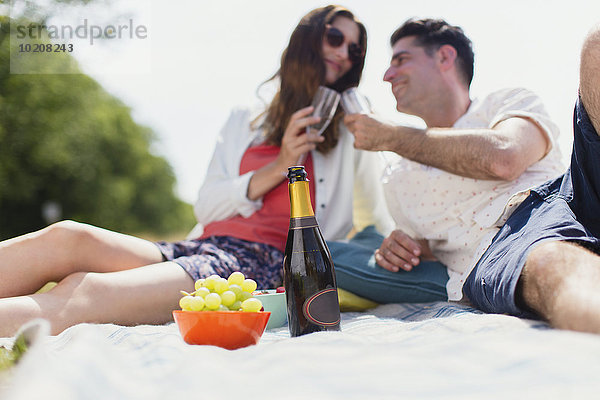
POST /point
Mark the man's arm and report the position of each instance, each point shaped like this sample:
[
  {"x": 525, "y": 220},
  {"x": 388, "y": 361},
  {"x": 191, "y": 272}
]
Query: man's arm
[
  {"x": 503, "y": 152},
  {"x": 589, "y": 82}
]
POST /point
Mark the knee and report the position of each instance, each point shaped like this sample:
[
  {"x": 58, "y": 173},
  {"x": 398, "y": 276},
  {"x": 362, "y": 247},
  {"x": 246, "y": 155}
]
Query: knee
[
  {"x": 70, "y": 302},
  {"x": 67, "y": 233},
  {"x": 64, "y": 229},
  {"x": 82, "y": 286},
  {"x": 64, "y": 240}
]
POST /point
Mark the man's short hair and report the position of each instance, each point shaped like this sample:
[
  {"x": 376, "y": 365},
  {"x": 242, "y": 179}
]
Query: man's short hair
[{"x": 431, "y": 34}]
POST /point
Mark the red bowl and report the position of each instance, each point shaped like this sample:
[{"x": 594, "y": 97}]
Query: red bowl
[{"x": 228, "y": 329}]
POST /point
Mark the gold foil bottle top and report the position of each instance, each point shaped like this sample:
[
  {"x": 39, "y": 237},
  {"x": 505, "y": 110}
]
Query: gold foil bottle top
[
  {"x": 296, "y": 173},
  {"x": 300, "y": 205}
]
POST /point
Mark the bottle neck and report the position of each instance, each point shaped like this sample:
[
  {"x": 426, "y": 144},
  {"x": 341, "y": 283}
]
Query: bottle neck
[{"x": 300, "y": 200}]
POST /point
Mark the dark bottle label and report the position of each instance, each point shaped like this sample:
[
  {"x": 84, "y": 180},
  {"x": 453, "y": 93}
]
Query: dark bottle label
[{"x": 322, "y": 308}]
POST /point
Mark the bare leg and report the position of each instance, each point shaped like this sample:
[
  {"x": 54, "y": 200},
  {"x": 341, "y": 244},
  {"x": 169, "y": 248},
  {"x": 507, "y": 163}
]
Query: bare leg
[
  {"x": 29, "y": 261},
  {"x": 561, "y": 282},
  {"x": 589, "y": 85},
  {"x": 145, "y": 295}
]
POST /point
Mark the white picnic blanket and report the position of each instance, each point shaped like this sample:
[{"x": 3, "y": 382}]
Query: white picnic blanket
[{"x": 424, "y": 351}]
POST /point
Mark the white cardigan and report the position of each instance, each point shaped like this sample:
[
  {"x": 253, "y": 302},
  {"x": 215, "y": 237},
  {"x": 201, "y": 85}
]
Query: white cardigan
[{"x": 347, "y": 181}]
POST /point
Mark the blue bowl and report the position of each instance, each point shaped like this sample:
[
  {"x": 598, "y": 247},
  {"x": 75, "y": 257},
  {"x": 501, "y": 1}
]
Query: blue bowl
[{"x": 276, "y": 304}]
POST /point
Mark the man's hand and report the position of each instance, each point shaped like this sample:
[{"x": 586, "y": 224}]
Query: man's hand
[
  {"x": 400, "y": 251},
  {"x": 369, "y": 133}
]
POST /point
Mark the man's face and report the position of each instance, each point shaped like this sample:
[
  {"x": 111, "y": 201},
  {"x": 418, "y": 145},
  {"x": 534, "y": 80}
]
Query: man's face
[{"x": 414, "y": 76}]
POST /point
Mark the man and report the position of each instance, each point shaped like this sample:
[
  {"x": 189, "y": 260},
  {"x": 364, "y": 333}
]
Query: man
[
  {"x": 458, "y": 179},
  {"x": 545, "y": 260}
]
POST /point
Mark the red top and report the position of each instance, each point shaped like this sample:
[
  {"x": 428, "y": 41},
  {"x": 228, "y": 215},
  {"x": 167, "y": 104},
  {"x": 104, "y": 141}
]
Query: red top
[{"x": 269, "y": 224}]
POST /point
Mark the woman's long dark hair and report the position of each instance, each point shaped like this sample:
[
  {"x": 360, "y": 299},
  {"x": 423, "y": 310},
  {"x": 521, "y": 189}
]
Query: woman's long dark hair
[{"x": 302, "y": 71}]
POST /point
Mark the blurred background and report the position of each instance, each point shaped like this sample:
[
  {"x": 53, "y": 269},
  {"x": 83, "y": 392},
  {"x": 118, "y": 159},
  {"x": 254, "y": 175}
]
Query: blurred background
[{"x": 119, "y": 131}]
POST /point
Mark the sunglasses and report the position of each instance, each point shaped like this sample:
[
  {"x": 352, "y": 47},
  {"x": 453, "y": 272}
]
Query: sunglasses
[{"x": 335, "y": 38}]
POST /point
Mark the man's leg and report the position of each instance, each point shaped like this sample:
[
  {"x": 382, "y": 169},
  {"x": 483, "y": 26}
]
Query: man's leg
[
  {"x": 145, "y": 295},
  {"x": 29, "y": 261},
  {"x": 561, "y": 283}
]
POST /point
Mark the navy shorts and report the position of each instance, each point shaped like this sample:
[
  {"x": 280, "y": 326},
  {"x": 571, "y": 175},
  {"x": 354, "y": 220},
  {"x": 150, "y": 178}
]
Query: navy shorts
[
  {"x": 565, "y": 209},
  {"x": 223, "y": 255}
]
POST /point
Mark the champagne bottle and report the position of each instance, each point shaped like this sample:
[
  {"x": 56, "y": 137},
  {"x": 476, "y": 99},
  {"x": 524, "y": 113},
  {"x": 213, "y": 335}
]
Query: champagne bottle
[{"x": 308, "y": 274}]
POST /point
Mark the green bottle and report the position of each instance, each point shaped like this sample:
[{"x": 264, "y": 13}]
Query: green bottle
[{"x": 308, "y": 273}]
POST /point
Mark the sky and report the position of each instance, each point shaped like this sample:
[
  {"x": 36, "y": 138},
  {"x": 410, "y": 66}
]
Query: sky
[{"x": 200, "y": 59}]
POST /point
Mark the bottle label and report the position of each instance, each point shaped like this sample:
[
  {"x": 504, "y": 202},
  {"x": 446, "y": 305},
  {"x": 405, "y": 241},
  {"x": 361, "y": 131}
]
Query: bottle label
[{"x": 323, "y": 308}]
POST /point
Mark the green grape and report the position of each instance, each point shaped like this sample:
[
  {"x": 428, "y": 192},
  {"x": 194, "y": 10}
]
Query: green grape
[
  {"x": 199, "y": 283},
  {"x": 212, "y": 301},
  {"x": 186, "y": 303},
  {"x": 251, "y": 305},
  {"x": 237, "y": 289},
  {"x": 236, "y": 306},
  {"x": 197, "y": 303},
  {"x": 249, "y": 285},
  {"x": 202, "y": 292},
  {"x": 236, "y": 278},
  {"x": 245, "y": 296},
  {"x": 221, "y": 285},
  {"x": 228, "y": 298},
  {"x": 209, "y": 282},
  {"x": 223, "y": 308}
]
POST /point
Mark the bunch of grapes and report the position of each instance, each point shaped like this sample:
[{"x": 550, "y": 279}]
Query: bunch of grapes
[{"x": 219, "y": 294}]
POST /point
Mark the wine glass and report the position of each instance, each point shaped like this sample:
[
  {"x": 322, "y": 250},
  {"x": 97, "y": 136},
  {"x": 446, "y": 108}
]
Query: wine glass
[
  {"x": 325, "y": 103},
  {"x": 355, "y": 103}
]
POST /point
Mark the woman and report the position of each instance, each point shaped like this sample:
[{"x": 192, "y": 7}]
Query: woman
[{"x": 242, "y": 210}]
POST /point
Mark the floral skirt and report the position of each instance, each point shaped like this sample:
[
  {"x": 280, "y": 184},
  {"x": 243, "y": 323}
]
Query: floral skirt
[{"x": 223, "y": 255}]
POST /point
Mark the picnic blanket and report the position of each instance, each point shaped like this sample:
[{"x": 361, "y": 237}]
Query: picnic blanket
[{"x": 396, "y": 351}]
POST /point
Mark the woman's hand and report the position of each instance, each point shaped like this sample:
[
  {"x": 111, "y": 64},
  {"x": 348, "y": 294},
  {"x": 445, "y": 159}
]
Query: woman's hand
[
  {"x": 296, "y": 141},
  {"x": 294, "y": 144},
  {"x": 400, "y": 251}
]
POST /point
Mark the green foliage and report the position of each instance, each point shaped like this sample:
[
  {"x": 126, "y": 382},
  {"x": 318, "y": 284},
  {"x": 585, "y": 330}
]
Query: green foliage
[{"x": 64, "y": 139}]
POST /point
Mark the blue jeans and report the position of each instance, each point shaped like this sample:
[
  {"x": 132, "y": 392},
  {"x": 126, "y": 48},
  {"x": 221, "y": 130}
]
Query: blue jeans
[{"x": 356, "y": 271}]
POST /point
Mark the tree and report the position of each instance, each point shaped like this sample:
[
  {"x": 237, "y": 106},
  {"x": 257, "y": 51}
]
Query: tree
[{"x": 66, "y": 141}]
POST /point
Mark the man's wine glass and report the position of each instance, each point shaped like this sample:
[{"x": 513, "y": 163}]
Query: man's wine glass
[{"x": 355, "y": 103}]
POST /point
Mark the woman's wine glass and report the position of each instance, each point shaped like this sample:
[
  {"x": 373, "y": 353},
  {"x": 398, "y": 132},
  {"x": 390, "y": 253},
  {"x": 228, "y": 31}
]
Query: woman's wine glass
[{"x": 325, "y": 103}]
